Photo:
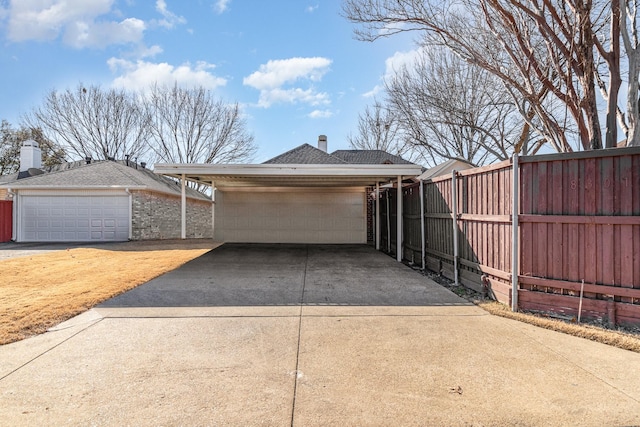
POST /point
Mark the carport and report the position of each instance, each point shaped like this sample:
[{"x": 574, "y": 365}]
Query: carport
[{"x": 292, "y": 203}]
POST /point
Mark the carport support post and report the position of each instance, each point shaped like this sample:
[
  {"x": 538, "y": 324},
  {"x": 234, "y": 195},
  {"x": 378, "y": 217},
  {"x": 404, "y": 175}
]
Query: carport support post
[
  {"x": 377, "y": 216},
  {"x": 399, "y": 221},
  {"x": 183, "y": 214},
  {"x": 423, "y": 237},
  {"x": 388, "y": 222},
  {"x": 213, "y": 209}
]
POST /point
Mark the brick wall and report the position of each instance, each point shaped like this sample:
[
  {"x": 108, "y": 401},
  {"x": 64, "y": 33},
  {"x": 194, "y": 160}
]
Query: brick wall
[{"x": 157, "y": 216}]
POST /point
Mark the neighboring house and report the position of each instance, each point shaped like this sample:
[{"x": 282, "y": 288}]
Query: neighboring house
[
  {"x": 444, "y": 168},
  {"x": 305, "y": 195},
  {"x": 99, "y": 201}
]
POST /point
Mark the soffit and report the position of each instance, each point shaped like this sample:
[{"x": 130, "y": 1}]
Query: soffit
[{"x": 278, "y": 175}]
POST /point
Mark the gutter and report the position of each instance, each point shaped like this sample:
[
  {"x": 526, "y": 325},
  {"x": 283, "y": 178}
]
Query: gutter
[
  {"x": 103, "y": 187},
  {"x": 130, "y": 212}
]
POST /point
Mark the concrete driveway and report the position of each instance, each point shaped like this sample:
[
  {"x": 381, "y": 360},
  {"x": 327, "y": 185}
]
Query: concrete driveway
[{"x": 309, "y": 336}]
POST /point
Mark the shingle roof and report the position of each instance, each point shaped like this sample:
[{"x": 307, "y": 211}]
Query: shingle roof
[
  {"x": 305, "y": 154},
  {"x": 104, "y": 173},
  {"x": 444, "y": 168},
  {"x": 308, "y": 154},
  {"x": 369, "y": 157}
]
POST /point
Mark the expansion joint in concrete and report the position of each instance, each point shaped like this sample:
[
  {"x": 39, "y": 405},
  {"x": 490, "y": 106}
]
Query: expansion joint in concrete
[{"x": 297, "y": 370}]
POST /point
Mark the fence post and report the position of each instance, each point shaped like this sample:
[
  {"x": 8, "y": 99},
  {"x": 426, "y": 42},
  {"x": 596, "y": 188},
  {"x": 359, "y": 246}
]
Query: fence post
[
  {"x": 423, "y": 237},
  {"x": 454, "y": 197},
  {"x": 515, "y": 242},
  {"x": 399, "y": 231},
  {"x": 377, "y": 216}
]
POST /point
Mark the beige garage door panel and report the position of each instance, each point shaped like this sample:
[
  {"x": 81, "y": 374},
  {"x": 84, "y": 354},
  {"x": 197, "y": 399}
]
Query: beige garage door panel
[{"x": 298, "y": 217}]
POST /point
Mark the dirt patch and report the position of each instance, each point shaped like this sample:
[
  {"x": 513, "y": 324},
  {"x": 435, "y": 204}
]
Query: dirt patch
[
  {"x": 625, "y": 338},
  {"x": 40, "y": 291}
]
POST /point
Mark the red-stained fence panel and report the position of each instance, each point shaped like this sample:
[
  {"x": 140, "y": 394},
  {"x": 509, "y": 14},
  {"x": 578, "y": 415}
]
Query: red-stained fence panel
[
  {"x": 6, "y": 217},
  {"x": 580, "y": 222}
]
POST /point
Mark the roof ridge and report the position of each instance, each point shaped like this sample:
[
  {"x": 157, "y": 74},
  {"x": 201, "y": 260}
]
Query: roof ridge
[
  {"x": 54, "y": 169},
  {"x": 277, "y": 159}
]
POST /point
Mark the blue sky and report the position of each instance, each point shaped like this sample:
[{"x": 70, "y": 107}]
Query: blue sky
[{"x": 293, "y": 65}]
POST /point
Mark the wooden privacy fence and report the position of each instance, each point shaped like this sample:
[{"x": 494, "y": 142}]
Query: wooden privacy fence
[
  {"x": 577, "y": 239},
  {"x": 6, "y": 217}
]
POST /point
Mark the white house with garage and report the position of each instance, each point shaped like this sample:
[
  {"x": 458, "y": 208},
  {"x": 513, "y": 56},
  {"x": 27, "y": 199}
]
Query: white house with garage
[{"x": 91, "y": 201}]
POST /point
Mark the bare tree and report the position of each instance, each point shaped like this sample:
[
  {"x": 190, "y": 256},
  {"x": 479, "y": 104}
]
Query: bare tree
[
  {"x": 607, "y": 42},
  {"x": 451, "y": 109},
  {"x": 538, "y": 48},
  {"x": 95, "y": 122},
  {"x": 378, "y": 129},
  {"x": 191, "y": 126},
  {"x": 631, "y": 41},
  {"x": 11, "y": 140}
]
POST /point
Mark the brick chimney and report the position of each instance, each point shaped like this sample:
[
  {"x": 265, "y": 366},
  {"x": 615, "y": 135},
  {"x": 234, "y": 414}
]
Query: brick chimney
[
  {"x": 322, "y": 143},
  {"x": 30, "y": 156}
]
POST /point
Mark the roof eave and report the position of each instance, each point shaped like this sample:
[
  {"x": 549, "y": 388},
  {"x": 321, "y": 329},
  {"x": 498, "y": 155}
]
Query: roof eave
[
  {"x": 292, "y": 170},
  {"x": 98, "y": 187}
]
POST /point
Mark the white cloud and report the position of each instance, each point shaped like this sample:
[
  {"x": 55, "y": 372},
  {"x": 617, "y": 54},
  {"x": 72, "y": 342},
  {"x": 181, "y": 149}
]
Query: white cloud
[
  {"x": 292, "y": 96},
  {"x": 149, "y": 52},
  {"x": 320, "y": 114},
  {"x": 273, "y": 77},
  {"x": 140, "y": 75},
  {"x": 312, "y": 8},
  {"x": 276, "y": 73},
  {"x": 221, "y": 6},
  {"x": 76, "y": 20},
  {"x": 399, "y": 60},
  {"x": 101, "y": 34},
  {"x": 373, "y": 92},
  {"x": 170, "y": 19},
  {"x": 392, "y": 65},
  {"x": 46, "y": 19}
]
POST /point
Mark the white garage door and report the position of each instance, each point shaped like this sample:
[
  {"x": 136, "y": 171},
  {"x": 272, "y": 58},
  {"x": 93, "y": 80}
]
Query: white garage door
[
  {"x": 291, "y": 217},
  {"x": 74, "y": 218}
]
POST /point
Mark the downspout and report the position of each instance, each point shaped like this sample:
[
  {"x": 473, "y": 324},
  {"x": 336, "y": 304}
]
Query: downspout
[
  {"x": 399, "y": 231},
  {"x": 14, "y": 213},
  {"x": 130, "y": 213},
  {"x": 377, "y": 216},
  {"x": 183, "y": 213},
  {"x": 454, "y": 203},
  {"x": 422, "y": 235},
  {"x": 515, "y": 243}
]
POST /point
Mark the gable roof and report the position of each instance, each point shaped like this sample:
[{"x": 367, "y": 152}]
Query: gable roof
[
  {"x": 370, "y": 157},
  {"x": 101, "y": 175},
  {"x": 305, "y": 154},
  {"x": 444, "y": 168}
]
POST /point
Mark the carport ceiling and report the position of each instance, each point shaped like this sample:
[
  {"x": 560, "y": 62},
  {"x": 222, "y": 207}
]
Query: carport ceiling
[{"x": 289, "y": 175}]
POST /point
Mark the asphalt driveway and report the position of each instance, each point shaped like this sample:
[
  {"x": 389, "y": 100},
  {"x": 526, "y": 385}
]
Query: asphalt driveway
[{"x": 308, "y": 335}]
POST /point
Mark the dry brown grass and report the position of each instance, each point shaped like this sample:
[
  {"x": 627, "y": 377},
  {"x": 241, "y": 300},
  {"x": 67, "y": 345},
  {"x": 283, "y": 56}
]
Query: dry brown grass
[
  {"x": 606, "y": 336},
  {"x": 39, "y": 291}
]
